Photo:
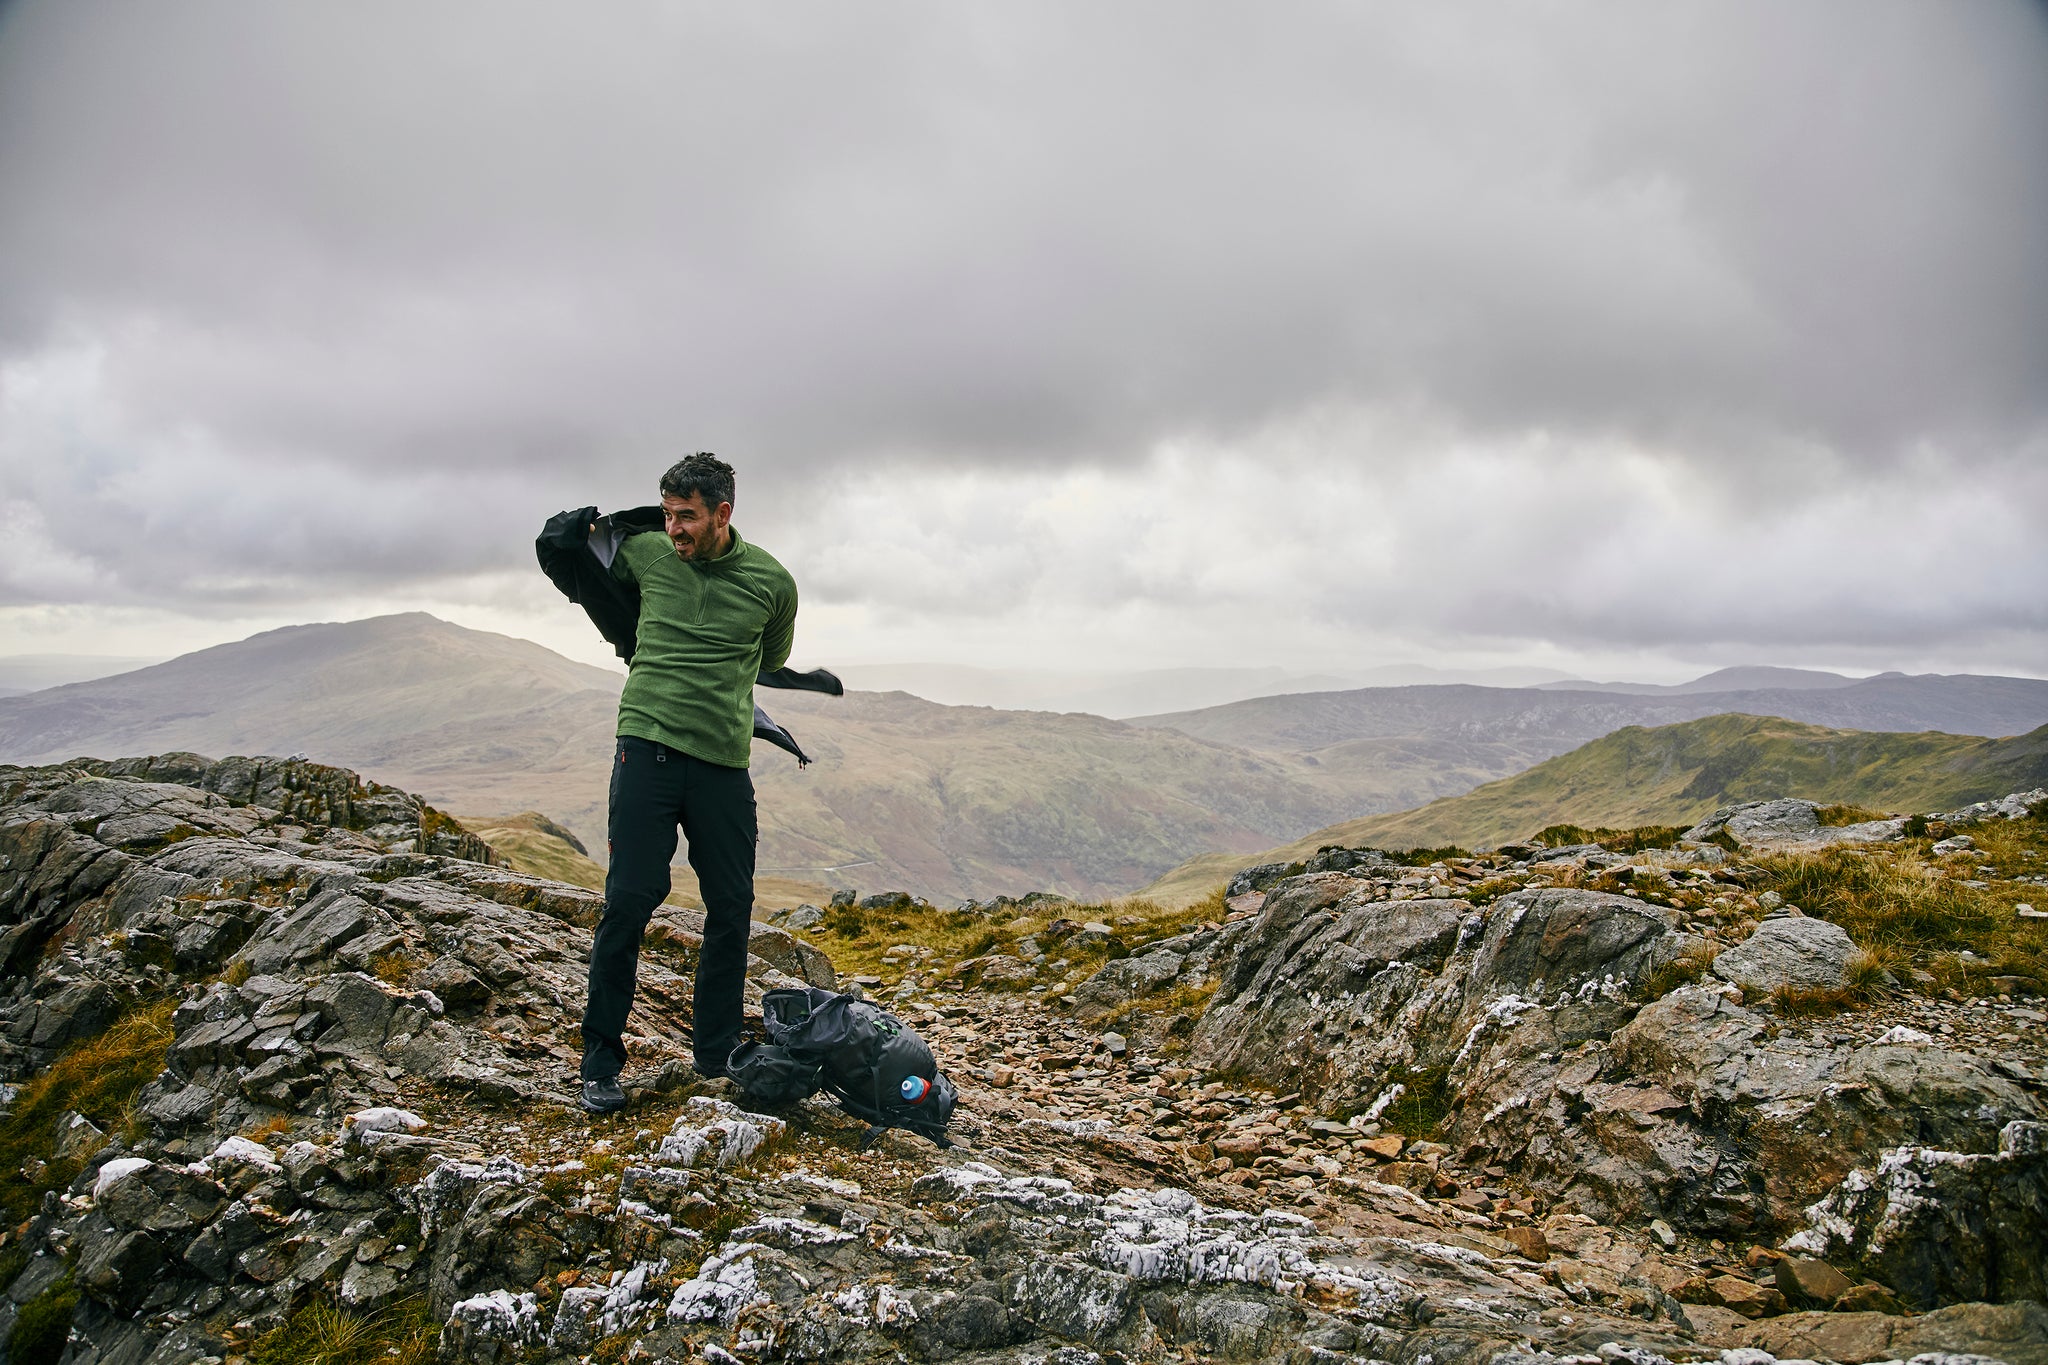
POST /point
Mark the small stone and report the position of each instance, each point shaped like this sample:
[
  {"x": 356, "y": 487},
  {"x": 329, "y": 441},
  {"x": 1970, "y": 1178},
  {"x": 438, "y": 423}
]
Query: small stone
[
  {"x": 1746, "y": 1297},
  {"x": 1808, "y": 1283},
  {"x": 1529, "y": 1243},
  {"x": 370, "y": 1126},
  {"x": 1661, "y": 1230},
  {"x": 1002, "y": 1077},
  {"x": 1867, "y": 1298},
  {"x": 1115, "y": 1044},
  {"x": 1384, "y": 1148}
]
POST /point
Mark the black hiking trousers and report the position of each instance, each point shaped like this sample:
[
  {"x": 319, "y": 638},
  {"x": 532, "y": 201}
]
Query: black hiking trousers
[{"x": 654, "y": 790}]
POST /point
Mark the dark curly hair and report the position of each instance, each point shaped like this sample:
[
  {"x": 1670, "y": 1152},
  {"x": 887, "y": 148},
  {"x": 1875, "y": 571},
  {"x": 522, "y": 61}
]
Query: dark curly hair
[{"x": 703, "y": 474}]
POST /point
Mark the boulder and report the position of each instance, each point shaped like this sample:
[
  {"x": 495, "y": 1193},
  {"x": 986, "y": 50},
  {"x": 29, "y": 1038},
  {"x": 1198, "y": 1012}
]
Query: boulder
[
  {"x": 487, "y": 1329},
  {"x": 1942, "y": 1227},
  {"x": 161, "y": 1199},
  {"x": 452, "y": 982},
  {"x": 1809, "y": 1283},
  {"x": 1786, "y": 820},
  {"x": 354, "y": 1010},
  {"x": 1263, "y": 877},
  {"x": 787, "y": 953},
  {"x": 2014, "y": 1333},
  {"x": 1798, "y": 952},
  {"x": 1343, "y": 992},
  {"x": 119, "y": 1268},
  {"x": 327, "y": 921}
]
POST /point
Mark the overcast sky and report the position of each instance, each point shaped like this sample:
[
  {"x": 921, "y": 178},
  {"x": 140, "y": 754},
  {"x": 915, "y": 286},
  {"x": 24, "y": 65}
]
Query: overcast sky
[{"x": 1626, "y": 339}]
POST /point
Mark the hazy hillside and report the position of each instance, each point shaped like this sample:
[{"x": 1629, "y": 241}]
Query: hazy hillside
[
  {"x": 33, "y": 672},
  {"x": 1308, "y": 723},
  {"x": 1147, "y": 691},
  {"x": 1739, "y": 679},
  {"x": 945, "y": 801},
  {"x": 1676, "y": 774},
  {"x": 376, "y": 690}
]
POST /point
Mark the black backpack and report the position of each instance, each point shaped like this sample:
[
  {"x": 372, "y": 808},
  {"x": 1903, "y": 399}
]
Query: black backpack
[{"x": 855, "y": 1051}]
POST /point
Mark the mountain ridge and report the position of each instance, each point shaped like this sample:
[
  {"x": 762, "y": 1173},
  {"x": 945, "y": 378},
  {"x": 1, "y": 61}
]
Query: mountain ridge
[
  {"x": 1675, "y": 775},
  {"x": 944, "y": 802}
]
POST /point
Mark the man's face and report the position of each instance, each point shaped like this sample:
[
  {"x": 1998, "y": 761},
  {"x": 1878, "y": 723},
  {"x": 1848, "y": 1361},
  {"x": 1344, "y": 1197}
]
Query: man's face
[{"x": 697, "y": 531}]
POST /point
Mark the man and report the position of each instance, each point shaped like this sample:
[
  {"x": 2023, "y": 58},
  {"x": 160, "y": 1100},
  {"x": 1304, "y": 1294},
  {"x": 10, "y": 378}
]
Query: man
[{"x": 715, "y": 610}]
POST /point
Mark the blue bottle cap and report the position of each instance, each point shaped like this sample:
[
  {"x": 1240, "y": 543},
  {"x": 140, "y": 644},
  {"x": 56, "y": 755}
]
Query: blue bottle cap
[{"x": 915, "y": 1088}]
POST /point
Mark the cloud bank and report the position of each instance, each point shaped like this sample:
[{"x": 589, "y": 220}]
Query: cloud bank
[{"x": 1716, "y": 331}]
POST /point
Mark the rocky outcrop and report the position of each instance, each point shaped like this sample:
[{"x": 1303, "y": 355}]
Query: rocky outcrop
[
  {"x": 364, "y": 1099},
  {"x": 1544, "y": 1027},
  {"x": 1942, "y": 1226},
  {"x": 1789, "y": 951}
]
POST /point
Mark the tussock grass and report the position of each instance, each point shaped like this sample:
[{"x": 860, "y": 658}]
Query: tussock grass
[
  {"x": 1911, "y": 911},
  {"x": 322, "y": 1334},
  {"x": 857, "y": 939},
  {"x": 1613, "y": 840},
  {"x": 1892, "y": 906},
  {"x": 1680, "y": 971},
  {"x": 1835, "y": 816},
  {"x": 395, "y": 967},
  {"x": 1423, "y": 857},
  {"x": 98, "y": 1078},
  {"x": 1867, "y": 981}
]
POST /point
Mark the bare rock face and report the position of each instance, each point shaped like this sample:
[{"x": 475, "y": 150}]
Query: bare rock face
[
  {"x": 1788, "y": 822},
  {"x": 365, "y": 1099},
  {"x": 1942, "y": 1226},
  {"x": 1789, "y": 951},
  {"x": 1524, "y": 1020},
  {"x": 1343, "y": 992}
]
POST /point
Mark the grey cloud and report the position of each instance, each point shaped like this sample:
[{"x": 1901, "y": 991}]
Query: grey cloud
[{"x": 435, "y": 266}]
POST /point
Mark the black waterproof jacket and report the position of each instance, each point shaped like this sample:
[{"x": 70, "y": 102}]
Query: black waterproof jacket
[{"x": 576, "y": 549}]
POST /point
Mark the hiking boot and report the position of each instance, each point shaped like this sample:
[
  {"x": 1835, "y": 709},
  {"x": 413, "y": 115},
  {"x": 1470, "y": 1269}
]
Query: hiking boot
[
  {"x": 603, "y": 1096},
  {"x": 710, "y": 1071}
]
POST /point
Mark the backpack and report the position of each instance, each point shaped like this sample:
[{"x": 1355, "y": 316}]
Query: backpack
[{"x": 855, "y": 1051}]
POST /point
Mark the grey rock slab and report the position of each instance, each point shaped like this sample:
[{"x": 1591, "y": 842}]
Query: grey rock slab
[
  {"x": 352, "y": 1006},
  {"x": 1799, "y": 952},
  {"x": 1785, "y": 820},
  {"x": 786, "y": 952},
  {"x": 1943, "y": 1227},
  {"x": 119, "y": 1267},
  {"x": 161, "y": 1199},
  {"x": 325, "y": 922}
]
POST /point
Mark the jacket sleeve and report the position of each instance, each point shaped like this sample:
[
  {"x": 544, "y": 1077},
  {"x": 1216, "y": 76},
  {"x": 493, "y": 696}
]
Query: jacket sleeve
[
  {"x": 780, "y": 632},
  {"x": 568, "y": 551}
]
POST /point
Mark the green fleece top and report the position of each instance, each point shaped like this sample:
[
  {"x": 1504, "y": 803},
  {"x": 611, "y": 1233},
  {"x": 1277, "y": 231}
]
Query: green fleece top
[{"x": 706, "y": 628}]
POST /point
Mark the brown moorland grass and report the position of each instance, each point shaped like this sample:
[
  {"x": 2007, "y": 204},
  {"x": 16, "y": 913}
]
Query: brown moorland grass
[
  {"x": 98, "y": 1078},
  {"x": 323, "y": 1334},
  {"x": 858, "y": 939},
  {"x": 1953, "y": 917}
]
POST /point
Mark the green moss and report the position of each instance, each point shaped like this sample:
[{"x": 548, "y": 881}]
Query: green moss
[
  {"x": 1423, "y": 1104},
  {"x": 1423, "y": 857},
  {"x": 43, "y": 1326},
  {"x": 12, "y": 1262}
]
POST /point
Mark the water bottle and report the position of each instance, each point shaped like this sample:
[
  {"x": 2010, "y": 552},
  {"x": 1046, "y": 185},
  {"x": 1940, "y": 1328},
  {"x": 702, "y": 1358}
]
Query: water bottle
[{"x": 915, "y": 1088}]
